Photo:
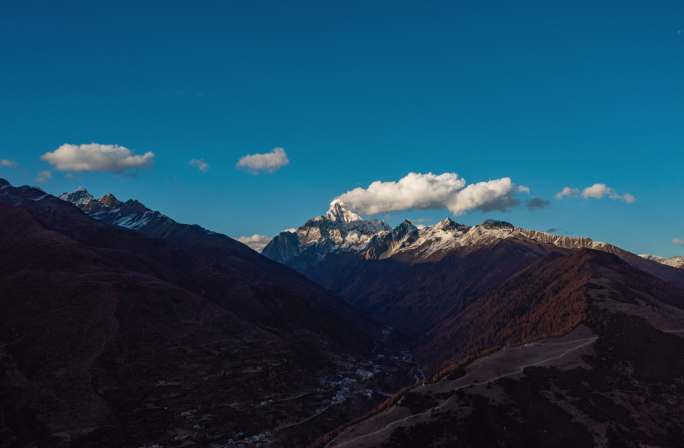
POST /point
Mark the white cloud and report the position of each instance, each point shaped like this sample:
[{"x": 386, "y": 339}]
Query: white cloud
[
  {"x": 264, "y": 162},
  {"x": 596, "y": 191},
  {"x": 200, "y": 164},
  {"x": 678, "y": 241},
  {"x": 256, "y": 242},
  {"x": 43, "y": 176},
  {"x": 599, "y": 191},
  {"x": 96, "y": 157},
  {"x": 487, "y": 196},
  {"x": 432, "y": 191},
  {"x": 4, "y": 163},
  {"x": 567, "y": 192}
]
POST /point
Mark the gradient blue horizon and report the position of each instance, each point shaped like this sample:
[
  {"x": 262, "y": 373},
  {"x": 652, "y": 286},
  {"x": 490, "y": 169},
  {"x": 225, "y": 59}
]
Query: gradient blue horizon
[{"x": 548, "y": 94}]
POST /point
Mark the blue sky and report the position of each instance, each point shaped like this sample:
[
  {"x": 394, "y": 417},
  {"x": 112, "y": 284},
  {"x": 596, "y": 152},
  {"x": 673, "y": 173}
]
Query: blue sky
[{"x": 549, "y": 94}]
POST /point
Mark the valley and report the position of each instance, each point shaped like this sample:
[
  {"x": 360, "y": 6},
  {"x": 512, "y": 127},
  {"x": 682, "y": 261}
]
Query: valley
[{"x": 186, "y": 338}]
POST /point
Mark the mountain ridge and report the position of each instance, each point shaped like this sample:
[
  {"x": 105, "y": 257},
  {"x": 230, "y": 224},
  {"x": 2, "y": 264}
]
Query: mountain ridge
[
  {"x": 375, "y": 240},
  {"x": 578, "y": 349},
  {"x": 146, "y": 314},
  {"x": 113, "y": 338}
]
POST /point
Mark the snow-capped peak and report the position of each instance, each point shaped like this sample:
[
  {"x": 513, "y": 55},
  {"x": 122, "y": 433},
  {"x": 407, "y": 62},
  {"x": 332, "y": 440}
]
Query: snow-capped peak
[
  {"x": 78, "y": 197},
  {"x": 130, "y": 214},
  {"x": 341, "y": 230},
  {"x": 448, "y": 224},
  {"x": 109, "y": 200},
  {"x": 339, "y": 212},
  {"x": 675, "y": 262}
]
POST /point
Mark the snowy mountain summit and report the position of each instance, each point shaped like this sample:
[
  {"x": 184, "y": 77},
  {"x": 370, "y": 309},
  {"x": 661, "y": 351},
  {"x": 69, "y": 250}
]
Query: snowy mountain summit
[
  {"x": 338, "y": 229},
  {"x": 338, "y": 212},
  {"x": 675, "y": 262},
  {"x": 130, "y": 214},
  {"x": 78, "y": 197},
  {"x": 341, "y": 230}
]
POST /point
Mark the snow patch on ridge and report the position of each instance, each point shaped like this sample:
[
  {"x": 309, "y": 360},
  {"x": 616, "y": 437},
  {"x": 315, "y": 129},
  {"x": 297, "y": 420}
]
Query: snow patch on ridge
[
  {"x": 675, "y": 262},
  {"x": 341, "y": 230}
]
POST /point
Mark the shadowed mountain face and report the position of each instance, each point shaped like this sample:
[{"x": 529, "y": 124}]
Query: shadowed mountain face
[
  {"x": 548, "y": 299},
  {"x": 415, "y": 278},
  {"x": 123, "y": 327},
  {"x": 531, "y": 339},
  {"x": 577, "y": 350},
  {"x": 414, "y": 297},
  {"x": 111, "y": 338},
  {"x": 213, "y": 265}
]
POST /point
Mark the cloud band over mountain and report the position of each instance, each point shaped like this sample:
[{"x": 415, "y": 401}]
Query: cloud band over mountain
[{"x": 433, "y": 191}]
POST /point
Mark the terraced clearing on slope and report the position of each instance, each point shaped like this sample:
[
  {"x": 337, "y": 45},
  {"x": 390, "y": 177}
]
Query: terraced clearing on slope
[
  {"x": 563, "y": 353},
  {"x": 621, "y": 386}
]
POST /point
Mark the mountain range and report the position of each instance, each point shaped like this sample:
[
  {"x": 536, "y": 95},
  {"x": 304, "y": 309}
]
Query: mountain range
[
  {"x": 140, "y": 330},
  {"x": 527, "y": 338},
  {"x": 123, "y": 327},
  {"x": 414, "y": 278}
]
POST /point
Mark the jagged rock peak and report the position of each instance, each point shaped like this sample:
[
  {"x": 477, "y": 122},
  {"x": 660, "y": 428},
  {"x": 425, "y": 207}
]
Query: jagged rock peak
[
  {"x": 136, "y": 206},
  {"x": 448, "y": 224},
  {"x": 109, "y": 200},
  {"x": 79, "y": 196},
  {"x": 403, "y": 229},
  {"x": 338, "y": 212}
]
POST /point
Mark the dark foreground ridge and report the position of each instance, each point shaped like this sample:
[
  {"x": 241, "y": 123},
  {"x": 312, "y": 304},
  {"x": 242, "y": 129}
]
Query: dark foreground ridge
[
  {"x": 124, "y": 328},
  {"x": 111, "y": 338}
]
